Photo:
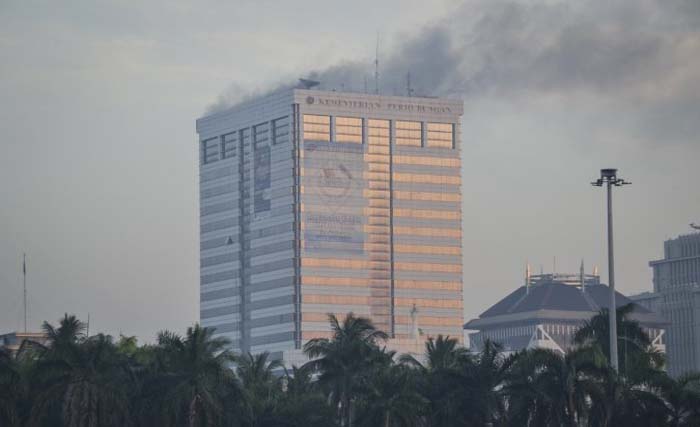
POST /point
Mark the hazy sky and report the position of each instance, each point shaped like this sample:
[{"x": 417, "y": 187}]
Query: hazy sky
[{"x": 98, "y": 151}]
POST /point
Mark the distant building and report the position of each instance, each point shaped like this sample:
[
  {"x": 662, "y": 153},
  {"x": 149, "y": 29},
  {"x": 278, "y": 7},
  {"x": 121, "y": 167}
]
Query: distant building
[
  {"x": 13, "y": 341},
  {"x": 676, "y": 297},
  {"x": 548, "y": 310},
  {"x": 316, "y": 202}
]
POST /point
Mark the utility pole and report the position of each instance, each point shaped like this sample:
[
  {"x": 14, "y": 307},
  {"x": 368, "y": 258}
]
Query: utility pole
[{"x": 610, "y": 179}]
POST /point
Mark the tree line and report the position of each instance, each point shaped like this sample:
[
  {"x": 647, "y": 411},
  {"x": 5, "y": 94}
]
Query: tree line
[{"x": 352, "y": 379}]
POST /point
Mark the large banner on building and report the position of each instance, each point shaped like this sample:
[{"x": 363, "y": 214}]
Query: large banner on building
[{"x": 333, "y": 197}]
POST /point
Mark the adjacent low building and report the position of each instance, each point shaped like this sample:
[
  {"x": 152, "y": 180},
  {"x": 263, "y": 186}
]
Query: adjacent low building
[
  {"x": 547, "y": 311},
  {"x": 13, "y": 341}
]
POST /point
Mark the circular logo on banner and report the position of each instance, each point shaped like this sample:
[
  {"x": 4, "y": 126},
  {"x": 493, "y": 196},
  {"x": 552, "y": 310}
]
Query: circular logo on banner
[
  {"x": 334, "y": 181},
  {"x": 309, "y": 100}
]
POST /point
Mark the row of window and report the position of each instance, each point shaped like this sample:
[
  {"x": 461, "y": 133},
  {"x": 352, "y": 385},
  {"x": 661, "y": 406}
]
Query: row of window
[
  {"x": 350, "y": 129},
  {"x": 362, "y": 282},
  {"x": 225, "y": 146},
  {"x": 355, "y": 264}
]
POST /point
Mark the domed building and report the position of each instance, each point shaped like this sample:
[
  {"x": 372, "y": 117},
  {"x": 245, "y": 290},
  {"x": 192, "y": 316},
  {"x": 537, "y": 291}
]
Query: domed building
[{"x": 547, "y": 311}]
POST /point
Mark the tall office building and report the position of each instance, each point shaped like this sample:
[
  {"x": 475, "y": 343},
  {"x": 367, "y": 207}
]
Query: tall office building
[
  {"x": 676, "y": 297},
  {"x": 316, "y": 202}
]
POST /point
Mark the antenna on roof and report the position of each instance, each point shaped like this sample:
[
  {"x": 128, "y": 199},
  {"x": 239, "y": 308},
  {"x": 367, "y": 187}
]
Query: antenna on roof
[
  {"x": 307, "y": 83},
  {"x": 527, "y": 278},
  {"x": 409, "y": 91},
  {"x": 365, "y": 84},
  {"x": 24, "y": 288},
  {"x": 376, "y": 67},
  {"x": 583, "y": 278}
]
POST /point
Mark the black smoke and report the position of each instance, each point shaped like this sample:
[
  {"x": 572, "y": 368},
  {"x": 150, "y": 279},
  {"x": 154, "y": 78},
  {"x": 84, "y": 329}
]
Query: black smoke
[{"x": 643, "y": 52}]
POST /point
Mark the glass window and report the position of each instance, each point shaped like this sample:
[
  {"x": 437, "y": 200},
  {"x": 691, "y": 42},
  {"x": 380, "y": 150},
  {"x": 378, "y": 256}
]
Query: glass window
[
  {"x": 427, "y": 179},
  {"x": 210, "y": 150},
  {"x": 428, "y": 267},
  {"x": 280, "y": 130},
  {"x": 427, "y": 161},
  {"x": 378, "y": 132},
  {"x": 428, "y": 231},
  {"x": 229, "y": 145},
  {"x": 440, "y": 135},
  {"x": 427, "y": 214},
  {"x": 245, "y": 136},
  {"x": 425, "y": 196},
  {"x": 427, "y": 249},
  {"x": 409, "y": 133},
  {"x": 261, "y": 134},
  {"x": 348, "y": 129},
  {"x": 317, "y": 128}
]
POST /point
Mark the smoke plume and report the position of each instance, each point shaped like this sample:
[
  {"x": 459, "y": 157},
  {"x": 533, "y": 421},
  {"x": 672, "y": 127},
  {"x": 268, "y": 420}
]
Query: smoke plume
[{"x": 645, "y": 53}]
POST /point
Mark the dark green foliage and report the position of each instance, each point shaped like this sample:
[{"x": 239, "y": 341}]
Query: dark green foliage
[
  {"x": 344, "y": 361},
  {"x": 352, "y": 380}
]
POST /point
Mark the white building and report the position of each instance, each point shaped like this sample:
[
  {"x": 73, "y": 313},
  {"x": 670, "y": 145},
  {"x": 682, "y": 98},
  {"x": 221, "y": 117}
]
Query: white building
[{"x": 676, "y": 297}]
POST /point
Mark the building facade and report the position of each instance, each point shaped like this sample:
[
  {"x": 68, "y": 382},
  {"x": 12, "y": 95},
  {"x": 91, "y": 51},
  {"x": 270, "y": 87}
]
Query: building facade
[
  {"x": 547, "y": 311},
  {"x": 13, "y": 341},
  {"x": 316, "y": 202},
  {"x": 676, "y": 297}
]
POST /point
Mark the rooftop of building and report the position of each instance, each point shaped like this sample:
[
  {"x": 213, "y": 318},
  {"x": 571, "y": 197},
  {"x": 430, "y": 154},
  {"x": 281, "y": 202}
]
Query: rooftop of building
[
  {"x": 316, "y": 95},
  {"x": 545, "y": 297},
  {"x": 13, "y": 340},
  {"x": 559, "y": 296},
  {"x": 685, "y": 246}
]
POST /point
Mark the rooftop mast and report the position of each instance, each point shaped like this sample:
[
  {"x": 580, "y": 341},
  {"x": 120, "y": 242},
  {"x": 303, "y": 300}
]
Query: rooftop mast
[
  {"x": 24, "y": 284},
  {"x": 527, "y": 278},
  {"x": 409, "y": 90},
  {"x": 376, "y": 67}
]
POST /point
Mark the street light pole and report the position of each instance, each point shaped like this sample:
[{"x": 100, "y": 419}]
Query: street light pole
[{"x": 609, "y": 177}]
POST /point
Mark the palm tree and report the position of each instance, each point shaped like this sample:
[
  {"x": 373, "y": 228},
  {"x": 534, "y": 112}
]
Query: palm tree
[
  {"x": 440, "y": 379},
  {"x": 303, "y": 403},
  {"x": 391, "y": 397},
  {"x": 483, "y": 377},
  {"x": 441, "y": 352},
  {"x": 682, "y": 397},
  {"x": 548, "y": 388},
  {"x": 262, "y": 389},
  {"x": 343, "y": 359},
  {"x": 10, "y": 389},
  {"x": 127, "y": 346},
  {"x": 82, "y": 383},
  {"x": 633, "y": 342},
  {"x": 190, "y": 379},
  {"x": 624, "y": 401}
]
